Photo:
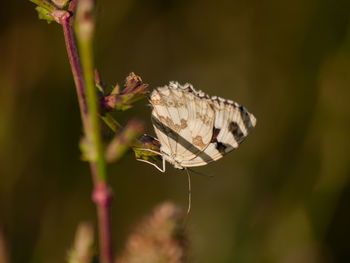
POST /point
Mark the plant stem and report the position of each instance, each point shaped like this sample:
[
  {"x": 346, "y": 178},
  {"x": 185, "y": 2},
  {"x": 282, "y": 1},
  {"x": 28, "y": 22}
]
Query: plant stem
[
  {"x": 74, "y": 61},
  {"x": 102, "y": 196},
  {"x": 93, "y": 130},
  {"x": 86, "y": 91}
]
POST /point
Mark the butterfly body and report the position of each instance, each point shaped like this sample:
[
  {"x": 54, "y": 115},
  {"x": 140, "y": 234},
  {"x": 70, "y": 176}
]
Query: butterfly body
[{"x": 195, "y": 129}]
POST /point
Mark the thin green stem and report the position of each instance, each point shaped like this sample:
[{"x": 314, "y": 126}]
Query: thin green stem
[
  {"x": 93, "y": 129},
  {"x": 81, "y": 62},
  {"x": 102, "y": 195}
]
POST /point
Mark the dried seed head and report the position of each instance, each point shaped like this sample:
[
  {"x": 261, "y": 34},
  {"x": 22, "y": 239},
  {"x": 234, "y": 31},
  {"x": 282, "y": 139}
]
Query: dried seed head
[
  {"x": 82, "y": 249},
  {"x": 159, "y": 238}
]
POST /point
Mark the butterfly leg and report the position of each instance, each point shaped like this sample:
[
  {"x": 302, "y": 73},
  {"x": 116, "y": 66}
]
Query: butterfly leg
[
  {"x": 189, "y": 192},
  {"x": 145, "y": 161},
  {"x": 158, "y": 168}
]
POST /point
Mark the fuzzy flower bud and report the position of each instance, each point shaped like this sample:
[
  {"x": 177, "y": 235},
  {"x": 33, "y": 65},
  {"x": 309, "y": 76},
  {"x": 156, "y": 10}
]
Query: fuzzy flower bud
[{"x": 159, "y": 238}]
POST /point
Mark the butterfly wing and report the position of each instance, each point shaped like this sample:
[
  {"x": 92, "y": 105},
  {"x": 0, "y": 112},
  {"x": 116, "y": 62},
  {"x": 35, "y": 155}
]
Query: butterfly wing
[
  {"x": 182, "y": 120},
  {"x": 232, "y": 125}
]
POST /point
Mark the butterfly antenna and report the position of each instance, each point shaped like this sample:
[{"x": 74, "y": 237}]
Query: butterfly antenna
[
  {"x": 199, "y": 173},
  {"x": 189, "y": 192}
]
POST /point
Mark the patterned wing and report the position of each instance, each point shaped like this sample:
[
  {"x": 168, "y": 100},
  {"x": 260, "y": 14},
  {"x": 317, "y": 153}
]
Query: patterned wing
[
  {"x": 232, "y": 125},
  {"x": 182, "y": 120}
]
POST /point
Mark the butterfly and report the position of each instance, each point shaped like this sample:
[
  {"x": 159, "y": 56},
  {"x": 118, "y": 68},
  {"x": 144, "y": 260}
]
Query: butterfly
[{"x": 194, "y": 129}]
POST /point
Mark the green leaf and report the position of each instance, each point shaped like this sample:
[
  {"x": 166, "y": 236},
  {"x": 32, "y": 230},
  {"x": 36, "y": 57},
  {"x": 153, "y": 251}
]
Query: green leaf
[
  {"x": 116, "y": 89},
  {"x": 123, "y": 107},
  {"x": 44, "y": 14},
  {"x": 45, "y": 4}
]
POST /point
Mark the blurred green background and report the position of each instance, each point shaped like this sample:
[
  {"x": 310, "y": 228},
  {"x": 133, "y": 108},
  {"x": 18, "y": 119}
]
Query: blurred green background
[{"x": 283, "y": 196}]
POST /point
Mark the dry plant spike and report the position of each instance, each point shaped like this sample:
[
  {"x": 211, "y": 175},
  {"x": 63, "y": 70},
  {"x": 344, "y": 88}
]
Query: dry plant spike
[
  {"x": 132, "y": 81},
  {"x": 3, "y": 249},
  {"x": 160, "y": 237},
  {"x": 82, "y": 250},
  {"x": 122, "y": 99}
]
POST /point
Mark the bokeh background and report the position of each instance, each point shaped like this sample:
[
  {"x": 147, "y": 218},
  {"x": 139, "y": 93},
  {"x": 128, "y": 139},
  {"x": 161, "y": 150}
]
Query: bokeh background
[{"x": 283, "y": 196}]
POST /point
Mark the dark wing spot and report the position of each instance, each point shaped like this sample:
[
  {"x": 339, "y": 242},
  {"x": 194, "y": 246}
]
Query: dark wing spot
[
  {"x": 221, "y": 147},
  {"x": 215, "y": 134},
  {"x": 237, "y": 132},
  {"x": 246, "y": 118}
]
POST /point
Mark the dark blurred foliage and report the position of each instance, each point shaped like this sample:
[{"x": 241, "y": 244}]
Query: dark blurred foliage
[{"x": 283, "y": 196}]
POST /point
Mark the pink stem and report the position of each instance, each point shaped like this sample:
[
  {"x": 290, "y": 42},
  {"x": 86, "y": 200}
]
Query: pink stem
[
  {"x": 74, "y": 61},
  {"x": 102, "y": 196}
]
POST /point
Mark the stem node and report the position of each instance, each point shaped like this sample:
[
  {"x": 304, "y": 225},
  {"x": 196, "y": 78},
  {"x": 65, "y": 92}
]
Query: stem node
[
  {"x": 102, "y": 194},
  {"x": 60, "y": 16}
]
